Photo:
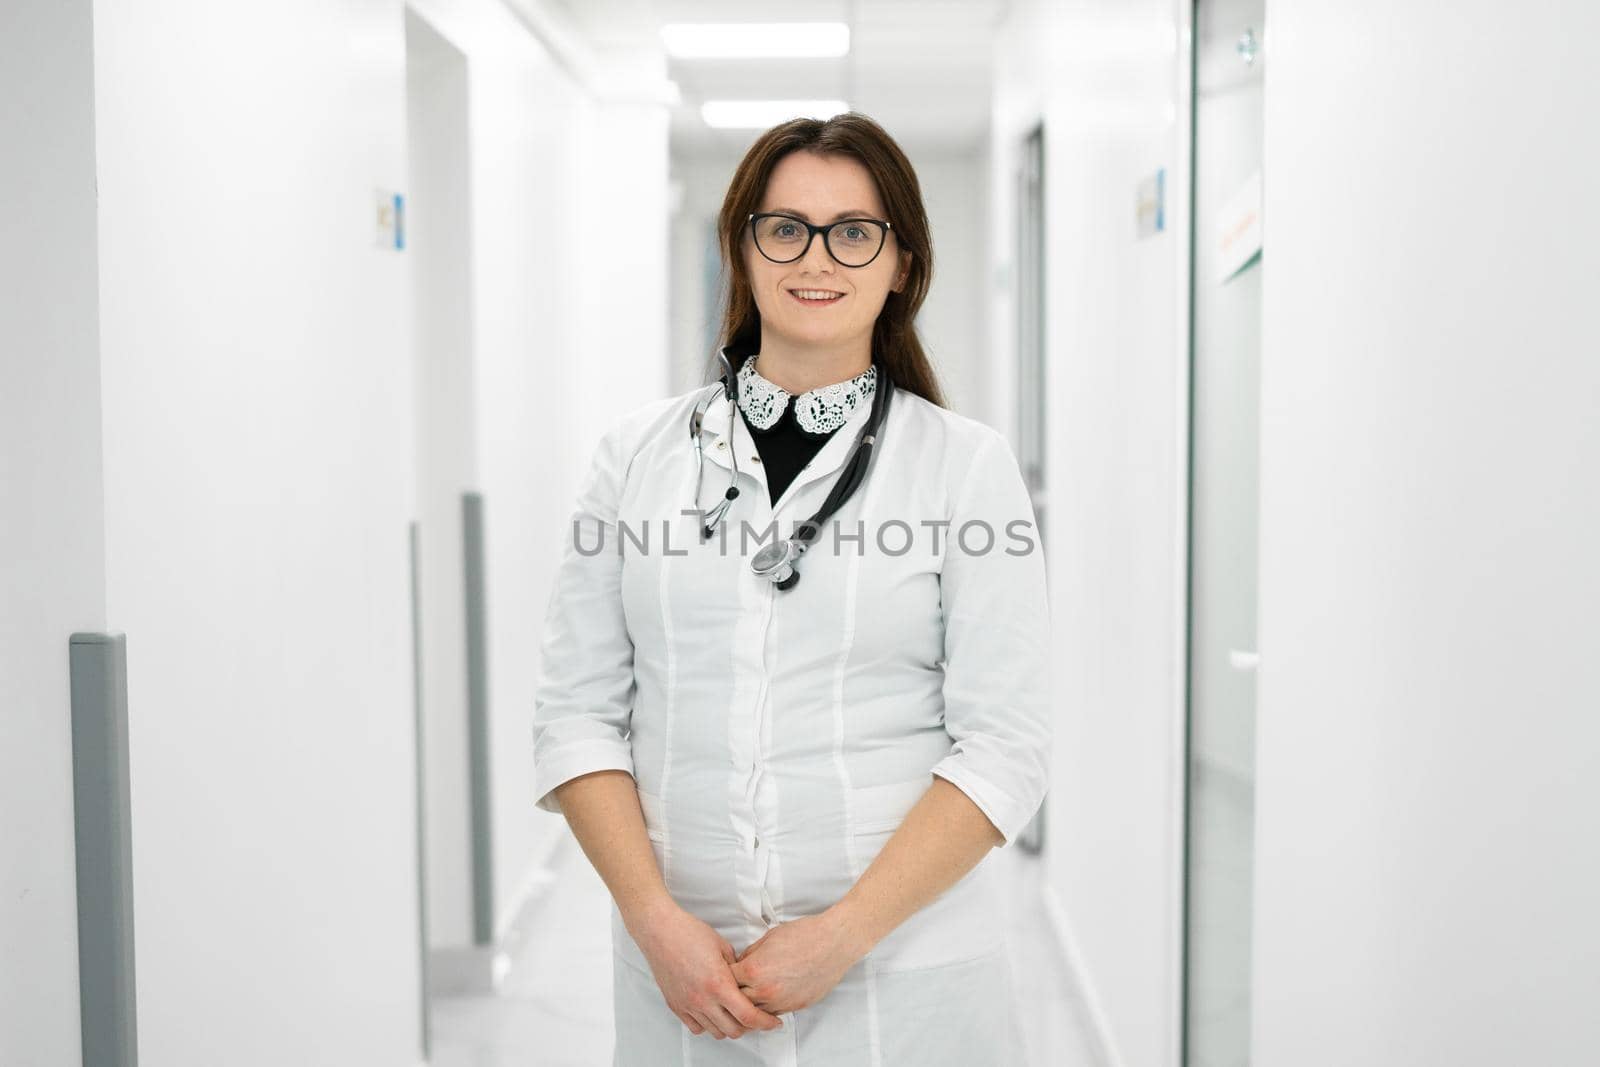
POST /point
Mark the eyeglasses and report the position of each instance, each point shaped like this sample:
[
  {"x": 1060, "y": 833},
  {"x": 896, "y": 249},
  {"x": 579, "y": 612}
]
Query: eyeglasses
[{"x": 851, "y": 242}]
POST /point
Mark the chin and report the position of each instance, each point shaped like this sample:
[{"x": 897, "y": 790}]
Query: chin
[{"x": 817, "y": 337}]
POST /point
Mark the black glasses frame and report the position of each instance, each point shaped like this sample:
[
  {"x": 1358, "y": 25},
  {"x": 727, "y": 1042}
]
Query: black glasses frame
[{"x": 811, "y": 235}]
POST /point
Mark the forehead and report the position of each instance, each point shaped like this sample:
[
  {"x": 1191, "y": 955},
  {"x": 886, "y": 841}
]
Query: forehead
[{"x": 822, "y": 186}]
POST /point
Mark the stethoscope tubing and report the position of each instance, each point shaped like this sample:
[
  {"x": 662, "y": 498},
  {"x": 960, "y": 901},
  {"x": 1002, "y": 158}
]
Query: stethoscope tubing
[{"x": 777, "y": 561}]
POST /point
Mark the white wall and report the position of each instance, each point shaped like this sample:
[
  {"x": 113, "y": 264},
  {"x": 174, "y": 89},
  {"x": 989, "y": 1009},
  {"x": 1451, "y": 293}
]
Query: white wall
[
  {"x": 52, "y": 548},
  {"x": 258, "y": 488},
  {"x": 1428, "y": 749},
  {"x": 1109, "y": 80}
]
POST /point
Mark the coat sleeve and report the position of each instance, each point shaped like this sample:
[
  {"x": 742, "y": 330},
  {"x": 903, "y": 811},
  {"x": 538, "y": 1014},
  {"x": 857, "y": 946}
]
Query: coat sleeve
[
  {"x": 997, "y": 704},
  {"x": 583, "y": 696}
]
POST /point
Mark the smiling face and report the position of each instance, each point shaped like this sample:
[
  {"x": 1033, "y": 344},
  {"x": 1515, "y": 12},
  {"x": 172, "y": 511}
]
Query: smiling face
[{"x": 822, "y": 189}]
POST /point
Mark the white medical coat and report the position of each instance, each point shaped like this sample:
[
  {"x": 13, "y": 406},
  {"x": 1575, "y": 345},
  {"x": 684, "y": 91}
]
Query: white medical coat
[{"x": 777, "y": 738}]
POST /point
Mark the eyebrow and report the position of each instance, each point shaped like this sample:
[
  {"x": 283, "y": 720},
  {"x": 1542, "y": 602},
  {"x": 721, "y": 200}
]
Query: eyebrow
[{"x": 852, "y": 214}]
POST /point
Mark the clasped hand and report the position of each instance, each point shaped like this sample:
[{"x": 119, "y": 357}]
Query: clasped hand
[
  {"x": 712, "y": 988},
  {"x": 795, "y": 964}
]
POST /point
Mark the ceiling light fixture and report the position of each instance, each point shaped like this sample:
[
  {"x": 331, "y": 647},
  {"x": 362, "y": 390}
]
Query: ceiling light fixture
[
  {"x": 762, "y": 114},
  {"x": 756, "y": 40}
]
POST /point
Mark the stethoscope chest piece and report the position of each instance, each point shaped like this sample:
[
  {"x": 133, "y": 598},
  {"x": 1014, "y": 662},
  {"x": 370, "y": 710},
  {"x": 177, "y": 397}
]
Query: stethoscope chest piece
[{"x": 775, "y": 562}]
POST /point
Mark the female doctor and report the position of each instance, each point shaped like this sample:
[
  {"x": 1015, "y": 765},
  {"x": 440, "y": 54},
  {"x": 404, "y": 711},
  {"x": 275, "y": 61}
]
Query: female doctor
[{"x": 784, "y": 745}]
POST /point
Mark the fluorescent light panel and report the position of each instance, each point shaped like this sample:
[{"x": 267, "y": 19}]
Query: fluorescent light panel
[
  {"x": 756, "y": 40},
  {"x": 763, "y": 114}
]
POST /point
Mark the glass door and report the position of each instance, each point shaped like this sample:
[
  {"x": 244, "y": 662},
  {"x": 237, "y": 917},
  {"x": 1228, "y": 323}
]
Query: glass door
[
  {"x": 1225, "y": 355},
  {"x": 1031, "y": 395}
]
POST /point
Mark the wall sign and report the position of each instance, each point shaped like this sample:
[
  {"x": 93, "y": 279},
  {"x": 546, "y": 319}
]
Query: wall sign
[
  {"x": 1150, "y": 204},
  {"x": 391, "y": 219}
]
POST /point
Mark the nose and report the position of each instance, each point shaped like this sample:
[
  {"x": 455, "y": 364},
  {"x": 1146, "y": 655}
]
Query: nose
[{"x": 816, "y": 258}]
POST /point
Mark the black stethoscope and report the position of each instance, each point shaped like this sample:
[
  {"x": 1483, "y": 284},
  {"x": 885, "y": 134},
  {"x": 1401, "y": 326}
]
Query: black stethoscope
[{"x": 777, "y": 562}]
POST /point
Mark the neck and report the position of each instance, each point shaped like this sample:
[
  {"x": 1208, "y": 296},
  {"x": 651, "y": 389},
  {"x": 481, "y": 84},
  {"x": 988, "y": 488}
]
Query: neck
[{"x": 800, "y": 368}]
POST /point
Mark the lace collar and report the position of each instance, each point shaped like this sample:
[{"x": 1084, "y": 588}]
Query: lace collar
[{"x": 818, "y": 411}]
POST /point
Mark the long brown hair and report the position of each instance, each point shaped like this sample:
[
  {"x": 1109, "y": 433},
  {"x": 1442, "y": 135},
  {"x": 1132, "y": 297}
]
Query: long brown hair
[{"x": 894, "y": 336}]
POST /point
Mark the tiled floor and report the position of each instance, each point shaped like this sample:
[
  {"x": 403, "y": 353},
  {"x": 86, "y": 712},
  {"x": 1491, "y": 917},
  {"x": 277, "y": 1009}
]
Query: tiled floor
[{"x": 554, "y": 1008}]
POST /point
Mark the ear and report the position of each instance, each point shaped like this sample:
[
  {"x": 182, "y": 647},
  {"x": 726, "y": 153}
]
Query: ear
[{"x": 905, "y": 272}]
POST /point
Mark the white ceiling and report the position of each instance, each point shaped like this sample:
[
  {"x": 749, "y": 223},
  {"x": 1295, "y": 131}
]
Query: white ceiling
[{"x": 919, "y": 67}]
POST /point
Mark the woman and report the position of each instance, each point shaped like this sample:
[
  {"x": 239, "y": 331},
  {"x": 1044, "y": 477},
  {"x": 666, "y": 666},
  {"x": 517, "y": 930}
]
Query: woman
[{"x": 788, "y": 786}]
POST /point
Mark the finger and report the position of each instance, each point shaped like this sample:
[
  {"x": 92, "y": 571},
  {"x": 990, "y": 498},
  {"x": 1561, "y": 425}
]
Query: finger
[
  {"x": 758, "y": 1018},
  {"x": 726, "y": 1020},
  {"x": 748, "y": 1013},
  {"x": 707, "y": 1024},
  {"x": 690, "y": 1022}
]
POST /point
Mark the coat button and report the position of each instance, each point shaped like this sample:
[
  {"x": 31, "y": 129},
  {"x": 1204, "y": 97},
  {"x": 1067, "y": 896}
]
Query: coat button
[{"x": 722, "y": 444}]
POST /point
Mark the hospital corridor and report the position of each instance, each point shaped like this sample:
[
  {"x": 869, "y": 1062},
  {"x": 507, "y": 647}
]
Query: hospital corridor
[{"x": 875, "y": 533}]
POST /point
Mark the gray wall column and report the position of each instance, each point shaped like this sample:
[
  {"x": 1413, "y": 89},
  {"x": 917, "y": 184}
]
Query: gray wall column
[{"x": 104, "y": 831}]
